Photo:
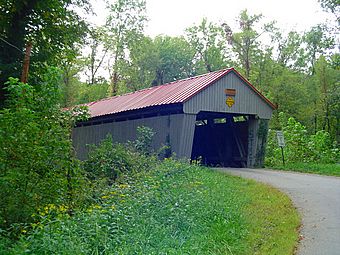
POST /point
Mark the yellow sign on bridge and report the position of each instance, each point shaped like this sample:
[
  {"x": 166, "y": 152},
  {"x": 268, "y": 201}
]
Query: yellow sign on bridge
[{"x": 230, "y": 101}]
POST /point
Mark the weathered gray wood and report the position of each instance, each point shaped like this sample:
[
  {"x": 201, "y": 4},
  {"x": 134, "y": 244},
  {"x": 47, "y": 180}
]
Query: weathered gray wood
[
  {"x": 178, "y": 129},
  {"x": 171, "y": 126},
  {"x": 213, "y": 99}
]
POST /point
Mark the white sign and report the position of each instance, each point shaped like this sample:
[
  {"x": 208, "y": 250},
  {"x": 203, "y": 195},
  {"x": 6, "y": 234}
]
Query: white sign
[{"x": 280, "y": 138}]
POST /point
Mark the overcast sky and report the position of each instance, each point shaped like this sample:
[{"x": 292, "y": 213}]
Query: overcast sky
[{"x": 171, "y": 17}]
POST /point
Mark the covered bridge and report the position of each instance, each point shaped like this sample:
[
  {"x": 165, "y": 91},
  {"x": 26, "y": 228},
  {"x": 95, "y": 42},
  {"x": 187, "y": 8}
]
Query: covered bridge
[{"x": 218, "y": 118}]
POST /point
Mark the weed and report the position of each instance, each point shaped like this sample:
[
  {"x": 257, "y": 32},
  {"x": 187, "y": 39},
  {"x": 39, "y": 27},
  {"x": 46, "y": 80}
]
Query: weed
[{"x": 175, "y": 209}]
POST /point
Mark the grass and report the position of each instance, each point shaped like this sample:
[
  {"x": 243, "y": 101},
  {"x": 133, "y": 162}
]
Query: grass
[
  {"x": 174, "y": 209},
  {"x": 273, "y": 222},
  {"x": 314, "y": 168}
]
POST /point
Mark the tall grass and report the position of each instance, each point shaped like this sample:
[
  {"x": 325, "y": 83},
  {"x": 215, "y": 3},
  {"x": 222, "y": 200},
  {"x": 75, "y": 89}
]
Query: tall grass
[{"x": 173, "y": 209}]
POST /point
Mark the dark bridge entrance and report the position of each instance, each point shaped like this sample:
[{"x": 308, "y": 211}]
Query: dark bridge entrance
[{"x": 221, "y": 139}]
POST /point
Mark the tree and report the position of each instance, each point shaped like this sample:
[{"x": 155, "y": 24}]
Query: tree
[
  {"x": 317, "y": 42},
  {"x": 125, "y": 24},
  {"x": 175, "y": 59},
  {"x": 94, "y": 61},
  {"x": 51, "y": 26},
  {"x": 289, "y": 51},
  {"x": 138, "y": 70},
  {"x": 37, "y": 164},
  {"x": 70, "y": 68},
  {"x": 332, "y": 6},
  {"x": 207, "y": 40},
  {"x": 245, "y": 43},
  {"x": 327, "y": 79}
]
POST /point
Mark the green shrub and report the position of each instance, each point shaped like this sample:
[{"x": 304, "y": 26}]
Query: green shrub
[
  {"x": 144, "y": 140},
  {"x": 110, "y": 160},
  {"x": 37, "y": 166},
  {"x": 300, "y": 146}
]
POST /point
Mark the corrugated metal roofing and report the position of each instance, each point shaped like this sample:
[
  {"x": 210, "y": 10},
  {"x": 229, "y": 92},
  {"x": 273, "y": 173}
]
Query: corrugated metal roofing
[{"x": 171, "y": 93}]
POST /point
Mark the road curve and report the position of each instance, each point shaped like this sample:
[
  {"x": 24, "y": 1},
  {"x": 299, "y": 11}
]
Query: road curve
[{"x": 318, "y": 201}]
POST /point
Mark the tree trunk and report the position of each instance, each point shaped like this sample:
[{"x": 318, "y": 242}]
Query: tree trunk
[
  {"x": 26, "y": 63},
  {"x": 114, "y": 84}
]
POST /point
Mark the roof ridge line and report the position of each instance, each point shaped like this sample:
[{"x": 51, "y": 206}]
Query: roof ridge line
[
  {"x": 197, "y": 76},
  {"x": 160, "y": 85}
]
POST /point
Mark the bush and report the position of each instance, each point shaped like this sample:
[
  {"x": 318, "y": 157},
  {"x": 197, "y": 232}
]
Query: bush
[
  {"x": 110, "y": 160},
  {"x": 37, "y": 166},
  {"x": 144, "y": 140},
  {"x": 300, "y": 146}
]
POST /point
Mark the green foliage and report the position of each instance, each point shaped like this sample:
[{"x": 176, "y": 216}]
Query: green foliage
[
  {"x": 208, "y": 42},
  {"x": 125, "y": 25},
  {"x": 53, "y": 27},
  {"x": 300, "y": 146},
  {"x": 36, "y": 159},
  {"x": 95, "y": 59},
  {"x": 173, "y": 209},
  {"x": 318, "y": 41},
  {"x": 89, "y": 93},
  {"x": 109, "y": 161},
  {"x": 139, "y": 70},
  {"x": 245, "y": 43},
  {"x": 144, "y": 140},
  {"x": 330, "y": 5},
  {"x": 175, "y": 59}
]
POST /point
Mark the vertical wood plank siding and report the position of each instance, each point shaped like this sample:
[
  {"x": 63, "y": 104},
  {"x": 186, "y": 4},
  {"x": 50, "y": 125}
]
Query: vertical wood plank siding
[
  {"x": 187, "y": 136},
  {"x": 124, "y": 131},
  {"x": 252, "y": 141},
  {"x": 213, "y": 99}
]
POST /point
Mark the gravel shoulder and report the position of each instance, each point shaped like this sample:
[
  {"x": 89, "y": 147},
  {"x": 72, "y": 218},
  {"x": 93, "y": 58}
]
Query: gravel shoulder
[{"x": 318, "y": 200}]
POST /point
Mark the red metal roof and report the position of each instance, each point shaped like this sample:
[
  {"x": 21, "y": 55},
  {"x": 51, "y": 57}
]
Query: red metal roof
[{"x": 171, "y": 93}]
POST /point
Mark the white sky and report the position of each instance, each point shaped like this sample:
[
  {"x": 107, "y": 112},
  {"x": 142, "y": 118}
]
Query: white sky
[{"x": 171, "y": 17}]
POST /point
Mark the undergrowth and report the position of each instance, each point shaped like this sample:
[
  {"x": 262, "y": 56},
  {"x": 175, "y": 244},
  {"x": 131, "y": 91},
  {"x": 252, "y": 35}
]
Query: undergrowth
[{"x": 174, "y": 208}]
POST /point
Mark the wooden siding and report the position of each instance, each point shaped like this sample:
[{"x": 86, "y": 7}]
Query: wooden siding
[
  {"x": 214, "y": 98},
  {"x": 252, "y": 141},
  {"x": 170, "y": 125},
  {"x": 187, "y": 136}
]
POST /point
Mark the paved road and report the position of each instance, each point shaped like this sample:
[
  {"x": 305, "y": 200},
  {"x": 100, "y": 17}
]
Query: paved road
[{"x": 318, "y": 200}]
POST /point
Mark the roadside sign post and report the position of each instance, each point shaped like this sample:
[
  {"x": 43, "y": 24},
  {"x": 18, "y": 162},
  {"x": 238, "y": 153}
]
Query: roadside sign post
[{"x": 281, "y": 143}]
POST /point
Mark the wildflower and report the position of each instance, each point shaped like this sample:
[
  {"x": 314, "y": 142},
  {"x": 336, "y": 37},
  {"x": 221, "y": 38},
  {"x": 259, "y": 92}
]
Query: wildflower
[
  {"x": 33, "y": 225},
  {"x": 62, "y": 208},
  {"x": 123, "y": 186}
]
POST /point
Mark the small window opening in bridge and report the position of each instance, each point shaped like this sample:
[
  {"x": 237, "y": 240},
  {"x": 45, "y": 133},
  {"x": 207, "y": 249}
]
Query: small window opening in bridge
[
  {"x": 201, "y": 122},
  {"x": 220, "y": 121},
  {"x": 240, "y": 118}
]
